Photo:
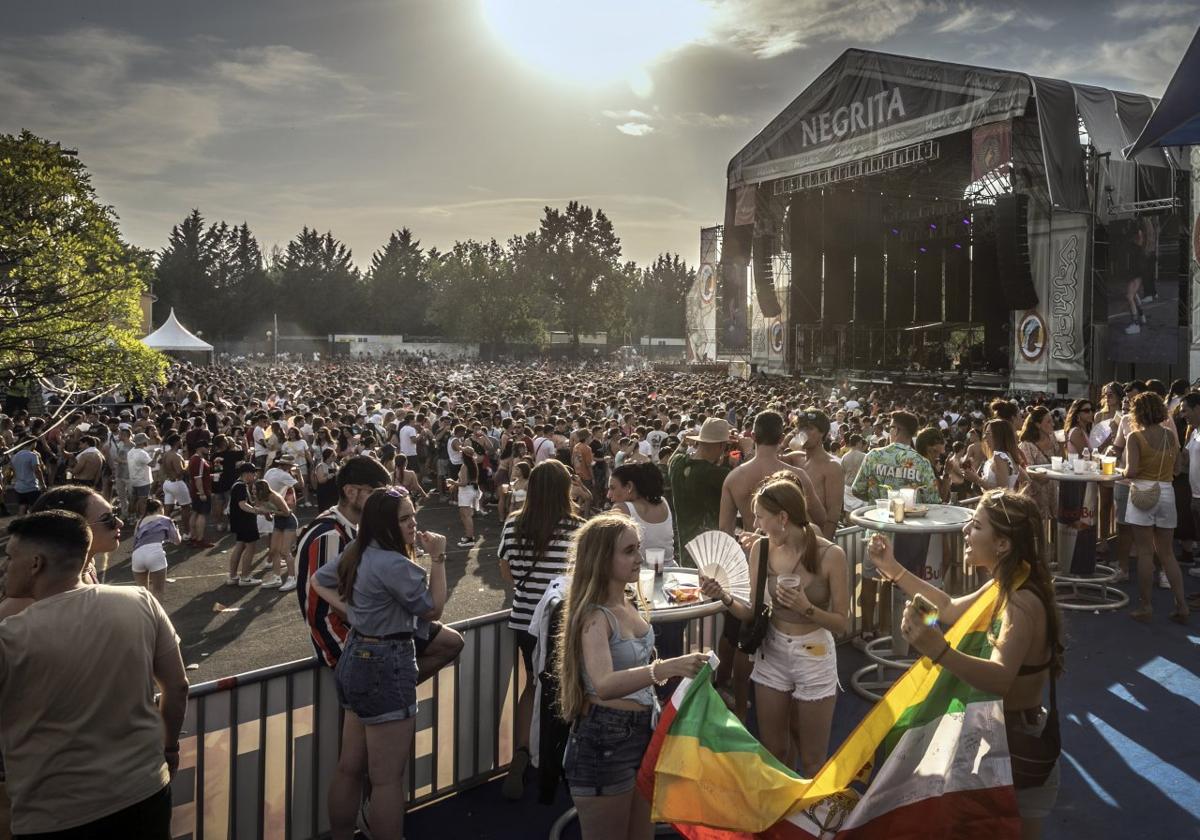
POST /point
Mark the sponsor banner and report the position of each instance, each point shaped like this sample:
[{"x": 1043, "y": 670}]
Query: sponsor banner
[
  {"x": 991, "y": 149},
  {"x": 868, "y": 103},
  {"x": 701, "y": 300}
]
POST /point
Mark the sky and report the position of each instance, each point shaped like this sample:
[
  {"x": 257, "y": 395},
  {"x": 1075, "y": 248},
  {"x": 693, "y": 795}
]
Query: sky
[{"x": 462, "y": 119}]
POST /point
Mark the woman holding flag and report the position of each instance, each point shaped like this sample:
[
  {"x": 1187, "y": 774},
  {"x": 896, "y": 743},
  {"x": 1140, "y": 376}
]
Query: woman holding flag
[
  {"x": 607, "y": 674},
  {"x": 1004, "y": 538}
]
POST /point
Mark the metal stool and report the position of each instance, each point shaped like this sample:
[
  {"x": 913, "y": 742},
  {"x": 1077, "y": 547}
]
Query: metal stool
[
  {"x": 883, "y": 658},
  {"x": 1089, "y": 592}
]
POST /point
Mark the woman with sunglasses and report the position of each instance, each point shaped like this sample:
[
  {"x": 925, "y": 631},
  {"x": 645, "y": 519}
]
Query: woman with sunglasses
[
  {"x": 1004, "y": 538},
  {"x": 382, "y": 592}
]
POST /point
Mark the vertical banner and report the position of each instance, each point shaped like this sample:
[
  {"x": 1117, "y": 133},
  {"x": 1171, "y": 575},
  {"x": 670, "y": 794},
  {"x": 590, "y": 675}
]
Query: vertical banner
[
  {"x": 1194, "y": 268},
  {"x": 1068, "y": 267},
  {"x": 991, "y": 149},
  {"x": 701, "y": 300}
]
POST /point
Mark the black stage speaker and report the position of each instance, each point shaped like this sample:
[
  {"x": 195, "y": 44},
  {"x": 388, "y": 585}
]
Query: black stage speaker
[
  {"x": 837, "y": 235},
  {"x": 764, "y": 277},
  {"x": 900, "y": 282},
  {"x": 868, "y": 234},
  {"x": 1012, "y": 251},
  {"x": 804, "y": 224},
  {"x": 1062, "y": 383}
]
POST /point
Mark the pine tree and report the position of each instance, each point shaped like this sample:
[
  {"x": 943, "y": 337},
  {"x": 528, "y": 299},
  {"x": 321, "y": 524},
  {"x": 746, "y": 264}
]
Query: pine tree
[{"x": 397, "y": 286}]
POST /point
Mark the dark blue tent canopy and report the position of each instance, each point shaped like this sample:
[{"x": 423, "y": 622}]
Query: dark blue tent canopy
[{"x": 1176, "y": 120}]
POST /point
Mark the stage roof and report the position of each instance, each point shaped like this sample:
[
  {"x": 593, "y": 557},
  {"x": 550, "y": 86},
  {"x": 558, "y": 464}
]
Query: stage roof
[
  {"x": 1176, "y": 120},
  {"x": 867, "y": 103},
  {"x": 172, "y": 335}
]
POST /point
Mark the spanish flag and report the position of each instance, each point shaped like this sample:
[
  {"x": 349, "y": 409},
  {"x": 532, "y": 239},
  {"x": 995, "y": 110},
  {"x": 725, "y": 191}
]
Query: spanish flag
[{"x": 930, "y": 760}]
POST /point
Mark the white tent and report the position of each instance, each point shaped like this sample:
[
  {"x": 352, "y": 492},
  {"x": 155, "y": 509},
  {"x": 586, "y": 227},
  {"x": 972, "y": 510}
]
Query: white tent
[{"x": 172, "y": 335}]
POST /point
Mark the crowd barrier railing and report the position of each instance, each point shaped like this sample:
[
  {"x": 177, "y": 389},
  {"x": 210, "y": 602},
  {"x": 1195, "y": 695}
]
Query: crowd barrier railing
[{"x": 258, "y": 750}]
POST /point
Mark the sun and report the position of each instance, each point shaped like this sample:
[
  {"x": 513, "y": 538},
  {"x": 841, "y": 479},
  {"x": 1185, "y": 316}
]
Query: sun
[{"x": 596, "y": 44}]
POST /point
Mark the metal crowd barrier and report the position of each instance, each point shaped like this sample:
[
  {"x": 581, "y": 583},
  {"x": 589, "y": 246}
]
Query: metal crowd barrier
[{"x": 258, "y": 750}]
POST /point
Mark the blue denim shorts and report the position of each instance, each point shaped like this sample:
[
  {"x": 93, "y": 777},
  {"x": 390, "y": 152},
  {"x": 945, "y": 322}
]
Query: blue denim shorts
[
  {"x": 605, "y": 750},
  {"x": 378, "y": 680}
]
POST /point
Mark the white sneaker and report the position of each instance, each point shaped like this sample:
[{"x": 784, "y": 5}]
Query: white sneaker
[
  {"x": 232, "y": 580},
  {"x": 289, "y": 584},
  {"x": 1132, "y": 329},
  {"x": 1194, "y": 571},
  {"x": 1163, "y": 583},
  {"x": 249, "y": 581},
  {"x": 465, "y": 542},
  {"x": 272, "y": 582},
  {"x": 1148, "y": 299}
]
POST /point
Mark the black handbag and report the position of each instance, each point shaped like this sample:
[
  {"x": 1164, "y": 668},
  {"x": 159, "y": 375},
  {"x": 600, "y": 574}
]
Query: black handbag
[
  {"x": 1034, "y": 756},
  {"x": 754, "y": 631}
]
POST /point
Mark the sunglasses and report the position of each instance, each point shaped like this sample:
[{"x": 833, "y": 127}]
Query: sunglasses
[
  {"x": 108, "y": 520},
  {"x": 396, "y": 492}
]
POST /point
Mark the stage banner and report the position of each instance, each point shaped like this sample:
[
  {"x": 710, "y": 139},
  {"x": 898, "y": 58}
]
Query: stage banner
[
  {"x": 867, "y": 103},
  {"x": 701, "y": 300},
  {"x": 1048, "y": 341},
  {"x": 1058, "y": 125},
  {"x": 991, "y": 149},
  {"x": 1194, "y": 266}
]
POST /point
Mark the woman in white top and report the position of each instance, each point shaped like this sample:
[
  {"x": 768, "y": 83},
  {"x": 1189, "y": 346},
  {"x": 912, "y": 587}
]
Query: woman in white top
[
  {"x": 1003, "y": 467},
  {"x": 636, "y": 491},
  {"x": 297, "y": 449}
]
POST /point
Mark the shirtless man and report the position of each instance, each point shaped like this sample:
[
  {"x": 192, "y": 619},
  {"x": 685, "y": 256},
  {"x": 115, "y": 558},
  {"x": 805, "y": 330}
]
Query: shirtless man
[
  {"x": 89, "y": 464},
  {"x": 175, "y": 485},
  {"x": 824, "y": 470},
  {"x": 737, "y": 495}
]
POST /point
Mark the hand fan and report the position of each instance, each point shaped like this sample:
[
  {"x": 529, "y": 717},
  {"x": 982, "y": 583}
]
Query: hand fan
[{"x": 718, "y": 556}]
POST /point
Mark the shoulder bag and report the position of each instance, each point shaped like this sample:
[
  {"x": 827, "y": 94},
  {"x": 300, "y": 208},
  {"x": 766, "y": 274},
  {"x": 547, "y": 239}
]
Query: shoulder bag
[
  {"x": 1145, "y": 498},
  {"x": 754, "y": 631},
  {"x": 1034, "y": 756}
]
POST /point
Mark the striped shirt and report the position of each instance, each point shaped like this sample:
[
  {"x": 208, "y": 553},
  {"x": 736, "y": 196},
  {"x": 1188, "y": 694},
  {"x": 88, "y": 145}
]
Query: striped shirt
[
  {"x": 532, "y": 574},
  {"x": 323, "y": 541}
]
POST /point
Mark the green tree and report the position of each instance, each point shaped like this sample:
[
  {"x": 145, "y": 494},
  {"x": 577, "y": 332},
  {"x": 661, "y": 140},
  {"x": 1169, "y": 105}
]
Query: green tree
[
  {"x": 70, "y": 288},
  {"x": 320, "y": 288},
  {"x": 480, "y": 297},
  {"x": 397, "y": 286},
  {"x": 578, "y": 251},
  {"x": 665, "y": 286}
]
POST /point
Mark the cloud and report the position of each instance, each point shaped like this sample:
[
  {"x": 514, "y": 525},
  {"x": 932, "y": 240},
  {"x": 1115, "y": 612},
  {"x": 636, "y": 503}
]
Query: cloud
[
  {"x": 627, "y": 115},
  {"x": 135, "y": 110},
  {"x": 973, "y": 19},
  {"x": 770, "y": 28},
  {"x": 635, "y": 129},
  {"x": 702, "y": 120},
  {"x": 1144, "y": 62},
  {"x": 1152, "y": 11}
]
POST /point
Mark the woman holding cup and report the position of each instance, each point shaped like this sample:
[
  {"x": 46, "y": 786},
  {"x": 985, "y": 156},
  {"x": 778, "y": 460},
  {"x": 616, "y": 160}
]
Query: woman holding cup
[{"x": 795, "y": 667}]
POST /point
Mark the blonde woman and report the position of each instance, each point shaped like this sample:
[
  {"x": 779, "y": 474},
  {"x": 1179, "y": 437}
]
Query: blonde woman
[
  {"x": 607, "y": 673},
  {"x": 795, "y": 668}
]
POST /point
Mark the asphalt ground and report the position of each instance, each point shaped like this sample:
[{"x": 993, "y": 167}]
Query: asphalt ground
[{"x": 226, "y": 630}]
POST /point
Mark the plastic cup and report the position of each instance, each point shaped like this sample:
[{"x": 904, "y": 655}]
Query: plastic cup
[
  {"x": 883, "y": 504},
  {"x": 655, "y": 557},
  {"x": 1079, "y": 465},
  {"x": 910, "y": 498},
  {"x": 646, "y": 584},
  {"x": 1056, "y": 462},
  {"x": 1108, "y": 465},
  {"x": 790, "y": 581}
]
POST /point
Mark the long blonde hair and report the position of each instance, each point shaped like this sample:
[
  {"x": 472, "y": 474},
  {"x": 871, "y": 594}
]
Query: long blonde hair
[{"x": 590, "y": 568}]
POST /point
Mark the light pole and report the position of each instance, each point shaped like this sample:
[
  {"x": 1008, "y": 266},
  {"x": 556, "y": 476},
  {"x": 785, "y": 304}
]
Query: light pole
[{"x": 273, "y": 340}]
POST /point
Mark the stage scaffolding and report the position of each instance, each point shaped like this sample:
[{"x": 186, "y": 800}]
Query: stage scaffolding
[{"x": 940, "y": 346}]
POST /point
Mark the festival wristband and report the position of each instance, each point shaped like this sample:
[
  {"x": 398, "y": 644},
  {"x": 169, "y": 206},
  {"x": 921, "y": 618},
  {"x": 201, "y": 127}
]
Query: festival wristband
[{"x": 946, "y": 649}]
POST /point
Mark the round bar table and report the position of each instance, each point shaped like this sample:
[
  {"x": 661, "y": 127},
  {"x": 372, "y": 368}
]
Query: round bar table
[
  {"x": 1080, "y": 583},
  {"x": 890, "y": 653}
]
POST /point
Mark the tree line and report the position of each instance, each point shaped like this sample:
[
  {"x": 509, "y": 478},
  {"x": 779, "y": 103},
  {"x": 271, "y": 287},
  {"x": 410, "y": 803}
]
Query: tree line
[{"x": 566, "y": 275}]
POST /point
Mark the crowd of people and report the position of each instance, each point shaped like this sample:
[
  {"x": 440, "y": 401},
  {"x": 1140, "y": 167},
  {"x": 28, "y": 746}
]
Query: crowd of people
[{"x": 591, "y": 468}]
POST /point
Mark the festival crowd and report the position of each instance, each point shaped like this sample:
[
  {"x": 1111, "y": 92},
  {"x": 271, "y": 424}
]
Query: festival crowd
[{"x": 591, "y": 468}]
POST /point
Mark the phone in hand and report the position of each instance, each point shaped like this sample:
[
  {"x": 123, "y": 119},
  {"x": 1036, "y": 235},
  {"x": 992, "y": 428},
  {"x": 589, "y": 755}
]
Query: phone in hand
[{"x": 929, "y": 613}]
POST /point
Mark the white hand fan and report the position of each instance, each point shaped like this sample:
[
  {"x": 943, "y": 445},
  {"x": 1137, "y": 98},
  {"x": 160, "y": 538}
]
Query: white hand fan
[{"x": 719, "y": 557}]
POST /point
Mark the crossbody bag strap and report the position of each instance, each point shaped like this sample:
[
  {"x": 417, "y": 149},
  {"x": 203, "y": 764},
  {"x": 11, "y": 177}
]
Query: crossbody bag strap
[{"x": 760, "y": 584}]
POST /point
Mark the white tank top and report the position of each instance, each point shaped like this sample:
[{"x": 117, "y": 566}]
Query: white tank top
[
  {"x": 989, "y": 473},
  {"x": 656, "y": 534}
]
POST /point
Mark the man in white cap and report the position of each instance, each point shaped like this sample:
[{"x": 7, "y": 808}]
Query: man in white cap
[{"x": 140, "y": 477}]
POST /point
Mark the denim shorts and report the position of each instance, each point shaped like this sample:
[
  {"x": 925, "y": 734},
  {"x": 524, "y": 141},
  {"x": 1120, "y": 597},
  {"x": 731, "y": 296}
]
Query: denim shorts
[
  {"x": 605, "y": 750},
  {"x": 378, "y": 680},
  {"x": 287, "y": 522}
]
